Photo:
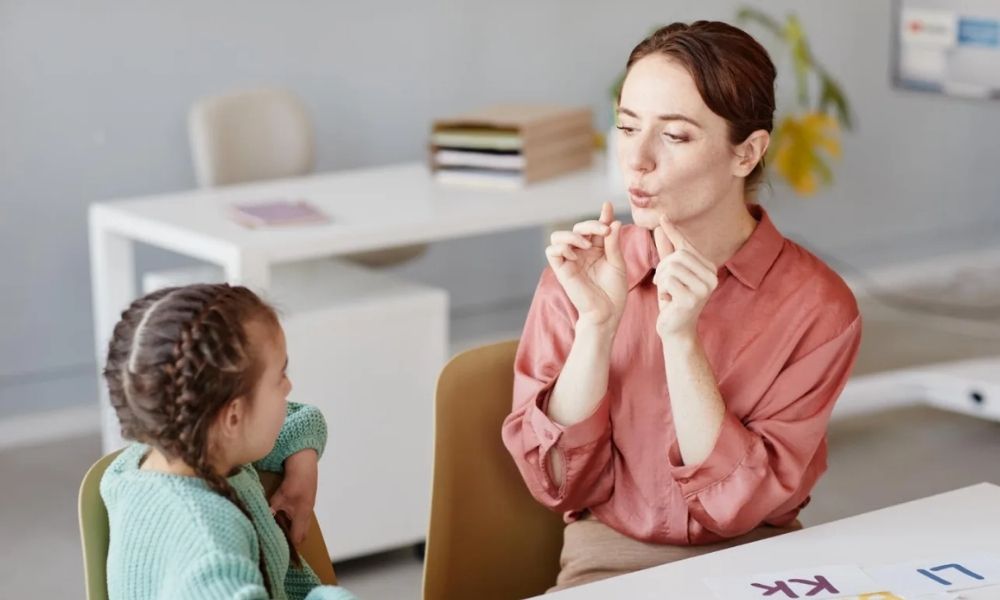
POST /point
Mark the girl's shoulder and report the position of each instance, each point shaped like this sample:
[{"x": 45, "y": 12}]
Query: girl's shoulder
[{"x": 173, "y": 509}]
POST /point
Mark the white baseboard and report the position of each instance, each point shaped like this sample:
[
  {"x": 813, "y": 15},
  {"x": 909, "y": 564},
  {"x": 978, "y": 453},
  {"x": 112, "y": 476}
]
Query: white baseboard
[{"x": 36, "y": 428}]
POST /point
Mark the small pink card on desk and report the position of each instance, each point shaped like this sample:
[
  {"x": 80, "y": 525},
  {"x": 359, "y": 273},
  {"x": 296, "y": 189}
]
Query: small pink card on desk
[{"x": 278, "y": 213}]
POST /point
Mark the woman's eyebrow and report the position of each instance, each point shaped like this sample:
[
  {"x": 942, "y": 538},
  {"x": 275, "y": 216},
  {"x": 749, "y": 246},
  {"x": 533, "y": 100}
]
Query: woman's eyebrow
[{"x": 667, "y": 117}]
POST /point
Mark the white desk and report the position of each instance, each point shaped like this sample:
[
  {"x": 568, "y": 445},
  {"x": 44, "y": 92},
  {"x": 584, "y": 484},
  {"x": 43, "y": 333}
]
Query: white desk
[
  {"x": 970, "y": 387},
  {"x": 965, "y": 521}
]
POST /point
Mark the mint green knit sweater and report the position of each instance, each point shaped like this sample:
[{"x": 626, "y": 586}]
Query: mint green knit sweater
[{"x": 172, "y": 537}]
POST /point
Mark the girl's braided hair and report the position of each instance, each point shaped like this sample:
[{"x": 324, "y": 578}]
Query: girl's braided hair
[{"x": 177, "y": 357}]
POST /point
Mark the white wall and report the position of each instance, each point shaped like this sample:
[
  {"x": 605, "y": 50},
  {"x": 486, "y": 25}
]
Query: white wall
[{"x": 93, "y": 99}]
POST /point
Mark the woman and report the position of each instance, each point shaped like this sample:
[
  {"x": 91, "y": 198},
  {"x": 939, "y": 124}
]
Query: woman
[{"x": 675, "y": 377}]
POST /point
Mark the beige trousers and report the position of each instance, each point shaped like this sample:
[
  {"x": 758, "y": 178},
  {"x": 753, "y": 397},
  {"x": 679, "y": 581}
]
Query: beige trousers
[{"x": 592, "y": 551}]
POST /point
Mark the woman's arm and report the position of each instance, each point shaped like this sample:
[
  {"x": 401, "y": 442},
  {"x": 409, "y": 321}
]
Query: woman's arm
[
  {"x": 685, "y": 280},
  {"x": 731, "y": 475},
  {"x": 559, "y": 432},
  {"x": 765, "y": 465},
  {"x": 695, "y": 401},
  {"x": 582, "y": 383},
  {"x": 564, "y": 453}
]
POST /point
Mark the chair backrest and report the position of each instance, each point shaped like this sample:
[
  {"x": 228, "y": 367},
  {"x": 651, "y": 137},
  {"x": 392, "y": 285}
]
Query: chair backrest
[
  {"x": 250, "y": 135},
  {"x": 94, "y": 530},
  {"x": 94, "y": 533},
  {"x": 312, "y": 550},
  {"x": 488, "y": 538}
]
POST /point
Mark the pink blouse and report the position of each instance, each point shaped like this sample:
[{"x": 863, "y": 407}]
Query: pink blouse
[{"x": 781, "y": 332}]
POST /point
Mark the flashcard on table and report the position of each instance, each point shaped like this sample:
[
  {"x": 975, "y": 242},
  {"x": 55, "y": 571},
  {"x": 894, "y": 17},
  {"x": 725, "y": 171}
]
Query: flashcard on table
[
  {"x": 944, "y": 573},
  {"x": 941, "y": 596},
  {"x": 814, "y": 583},
  {"x": 984, "y": 593}
]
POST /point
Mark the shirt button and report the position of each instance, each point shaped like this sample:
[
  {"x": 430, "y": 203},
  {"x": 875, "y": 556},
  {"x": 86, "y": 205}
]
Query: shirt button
[
  {"x": 548, "y": 435},
  {"x": 684, "y": 480}
]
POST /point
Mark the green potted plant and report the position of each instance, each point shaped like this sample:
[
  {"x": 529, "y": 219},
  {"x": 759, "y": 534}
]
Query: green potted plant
[{"x": 806, "y": 137}]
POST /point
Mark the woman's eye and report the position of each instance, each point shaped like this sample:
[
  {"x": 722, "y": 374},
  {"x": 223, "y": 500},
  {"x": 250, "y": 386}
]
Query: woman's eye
[
  {"x": 675, "y": 138},
  {"x": 626, "y": 130}
]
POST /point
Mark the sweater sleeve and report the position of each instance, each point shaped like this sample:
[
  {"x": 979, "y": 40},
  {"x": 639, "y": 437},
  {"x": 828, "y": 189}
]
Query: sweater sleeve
[
  {"x": 233, "y": 576},
  {"x": 304, "y": 428},
  {"x": 303, "y": 584}
]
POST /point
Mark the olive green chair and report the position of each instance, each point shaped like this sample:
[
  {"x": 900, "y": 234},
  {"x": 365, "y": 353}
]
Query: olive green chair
[{"x": 94, "y": 533}]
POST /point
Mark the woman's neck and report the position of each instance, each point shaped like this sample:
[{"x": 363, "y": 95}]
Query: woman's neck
[{"x": 720, "y": 232}]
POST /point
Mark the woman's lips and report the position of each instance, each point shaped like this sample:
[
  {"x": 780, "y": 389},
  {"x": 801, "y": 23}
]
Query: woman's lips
[{"x": 640, "y": 198}]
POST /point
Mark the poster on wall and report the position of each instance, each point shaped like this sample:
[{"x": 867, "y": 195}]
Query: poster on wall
[{"x": 948, "y": 46}]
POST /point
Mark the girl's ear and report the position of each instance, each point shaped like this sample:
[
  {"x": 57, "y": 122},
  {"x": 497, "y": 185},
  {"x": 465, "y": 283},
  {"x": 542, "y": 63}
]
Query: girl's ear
[
  {"x": 231, "y": 418},
  {"x": 750, "y": 152}
]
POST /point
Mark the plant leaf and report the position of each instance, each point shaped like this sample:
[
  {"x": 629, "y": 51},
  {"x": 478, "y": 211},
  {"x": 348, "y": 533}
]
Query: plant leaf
[
  {"x": 801, "y": 149},
  {"x": 831, "y": 95},
  {"x": 801, "y": 58},
  {"x": 752, "y": 15}
]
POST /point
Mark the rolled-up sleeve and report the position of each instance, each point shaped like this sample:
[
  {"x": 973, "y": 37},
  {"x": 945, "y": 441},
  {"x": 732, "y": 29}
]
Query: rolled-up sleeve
[
  {"x": 304, "y": 428},
  {"x": 763, "y": 467},
  {"x": 531, "y": 436}
]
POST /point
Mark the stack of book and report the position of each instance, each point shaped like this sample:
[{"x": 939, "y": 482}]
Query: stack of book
[{"x": 512, "y": 145}]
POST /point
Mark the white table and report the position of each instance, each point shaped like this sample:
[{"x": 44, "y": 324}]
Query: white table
[
  {"x": 970, "y": 387},
  {"x": 965, "y": 521}
]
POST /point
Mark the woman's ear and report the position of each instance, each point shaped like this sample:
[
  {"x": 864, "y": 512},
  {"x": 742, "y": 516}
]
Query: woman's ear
[{"x": 750, "y": 152}]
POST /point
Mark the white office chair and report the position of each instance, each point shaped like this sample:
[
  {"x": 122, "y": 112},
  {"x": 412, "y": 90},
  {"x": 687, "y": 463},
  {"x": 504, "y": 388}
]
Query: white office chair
[
  {"x": 254, "y": 135},
  {"x": 249, "y": 136}
]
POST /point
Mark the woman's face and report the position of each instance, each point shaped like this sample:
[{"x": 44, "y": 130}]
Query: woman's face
[{"x": 674, "y": 152}]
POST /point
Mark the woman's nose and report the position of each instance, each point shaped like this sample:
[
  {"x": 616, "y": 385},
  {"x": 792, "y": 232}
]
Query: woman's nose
[{"x": 639, "y": 158}]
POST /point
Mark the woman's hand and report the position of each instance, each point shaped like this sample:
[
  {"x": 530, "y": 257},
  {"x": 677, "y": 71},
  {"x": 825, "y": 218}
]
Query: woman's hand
[
  {"x": 589, "y": 266},
  {"x": 296, "y": 496},
  {"x": 684, "y": 281}
]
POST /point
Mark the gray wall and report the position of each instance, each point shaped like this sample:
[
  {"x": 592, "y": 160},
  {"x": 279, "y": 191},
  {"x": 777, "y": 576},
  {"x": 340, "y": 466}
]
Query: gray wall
[{"x": 93, "y": 98}]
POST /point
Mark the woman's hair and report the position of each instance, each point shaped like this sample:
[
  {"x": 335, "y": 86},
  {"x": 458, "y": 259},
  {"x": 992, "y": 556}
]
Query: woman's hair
[
  {"x": 733, "y": 73},
  {"x": 177, "y": 357}
]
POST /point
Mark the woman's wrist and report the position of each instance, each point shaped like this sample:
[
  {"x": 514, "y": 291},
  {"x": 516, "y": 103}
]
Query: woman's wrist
[
  {"x": 601, "y": 333},
  {"x": 683, "y": 342}
]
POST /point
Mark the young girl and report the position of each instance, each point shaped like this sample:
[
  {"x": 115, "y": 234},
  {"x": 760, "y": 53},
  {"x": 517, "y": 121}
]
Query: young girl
[{"x": 197, "y": 377}]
